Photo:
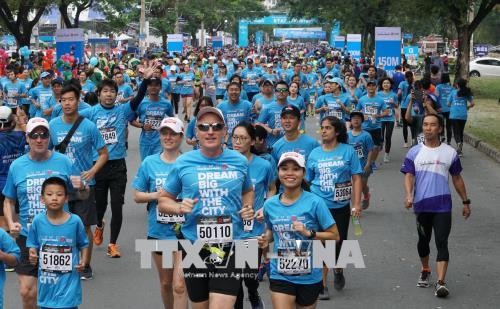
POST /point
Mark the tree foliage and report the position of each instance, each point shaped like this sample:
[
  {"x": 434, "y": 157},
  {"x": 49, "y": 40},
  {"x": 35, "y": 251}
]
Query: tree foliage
[{"x": 79, "y": 6}]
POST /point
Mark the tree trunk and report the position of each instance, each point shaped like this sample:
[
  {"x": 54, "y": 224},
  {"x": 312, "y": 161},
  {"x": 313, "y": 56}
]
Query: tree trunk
[
  {"x": 164, "y": 41},
  {"x": 463, "y": 54},
  {"x": 22, "y": 39}
]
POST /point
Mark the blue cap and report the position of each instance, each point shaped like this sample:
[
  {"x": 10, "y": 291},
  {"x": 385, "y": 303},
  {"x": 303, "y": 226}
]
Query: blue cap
[{"x": 45, "y": 74}]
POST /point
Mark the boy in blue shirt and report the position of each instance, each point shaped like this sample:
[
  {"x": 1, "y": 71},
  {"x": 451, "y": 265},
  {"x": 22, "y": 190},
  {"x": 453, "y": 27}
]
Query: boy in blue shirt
[{"x": 55, "y": 240}]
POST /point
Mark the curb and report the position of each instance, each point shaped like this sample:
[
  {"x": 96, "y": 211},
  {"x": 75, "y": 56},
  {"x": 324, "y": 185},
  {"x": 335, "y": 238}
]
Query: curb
[{"x": 484, "y": 147}]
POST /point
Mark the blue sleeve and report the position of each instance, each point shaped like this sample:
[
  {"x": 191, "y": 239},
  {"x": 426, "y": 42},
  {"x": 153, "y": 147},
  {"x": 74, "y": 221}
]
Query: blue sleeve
[
  {"x": 247, "y": 183},
  {"x": 309, "y": 169},
  {"x": 408, "y": 166},
  {"x": 97, "y": 139},
  {"x": 32, "y": 240},
  {"x": 140, "y": 182},
  {"x": 263, "y": 116},
  {"x": 190, "y": 128},
  {"x": 9, "y": 190},
  {"x": 9, "y": 246},
  {"x": 456, "y": 166},
  {"x": 319, "y": 102},
  {"x": 173, "y": 185},
  {"x": 82, "y": 239},
  {"x": 243, "y": 95},
  {"x": 356, "y": 164},
  {"x": 369, "y": 142}
]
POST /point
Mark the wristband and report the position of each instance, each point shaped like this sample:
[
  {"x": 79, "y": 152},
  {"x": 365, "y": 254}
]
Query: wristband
[{"x": 466, "y": 202}]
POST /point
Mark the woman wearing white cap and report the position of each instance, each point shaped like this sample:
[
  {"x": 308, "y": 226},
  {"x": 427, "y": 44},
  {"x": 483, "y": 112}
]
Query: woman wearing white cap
[
  {"x": 293, "y": 218},
  {"x": 151, "y": 176}
]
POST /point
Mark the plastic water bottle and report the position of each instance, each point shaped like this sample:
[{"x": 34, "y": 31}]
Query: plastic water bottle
[{"x": 358, "y": 231}]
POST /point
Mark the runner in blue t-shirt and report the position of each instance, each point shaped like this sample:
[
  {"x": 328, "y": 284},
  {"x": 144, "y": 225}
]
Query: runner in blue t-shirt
[
  {"x": 13, "y": 90},
  {"x": 363, "y": 145},
  {"x": 460, "y": 101},
  {"x": 387, "y": 122},
  {"x": 150, "y": 113},
  {"x": 270, "y": 116},
  {"x": 293, "y": 218},
  {"x": 40, "y": 94},
  {"x": 333, "y": 171},
  {"x": 263, "y": 180},
  {"x": 125, "y": 92},
  {"x": 217, "y": 195},
  {"x": 150, "y": 178},
  {"x": 55, "y": 241},
  {"x": 10, "y": 257},
  {"x": 443, "y": 91}
]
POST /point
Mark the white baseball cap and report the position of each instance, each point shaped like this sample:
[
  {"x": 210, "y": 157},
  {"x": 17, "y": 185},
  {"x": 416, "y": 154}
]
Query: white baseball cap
[
  {"x": 173, "y": 123},
  {"x": 5, "y": 113},
  {"x": 36, "y": 122},
  {"x": 173, "y": 68},
  {"x": 210, "y": 110},
  {"x": 293, "y": 156}
]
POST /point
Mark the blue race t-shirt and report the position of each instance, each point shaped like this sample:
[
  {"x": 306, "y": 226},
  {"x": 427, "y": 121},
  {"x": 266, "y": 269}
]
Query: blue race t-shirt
[
  {"x": 221, "y": 82},
  {"x": 59, "y": 249},
  {"x": 362, "y": 143},
  {"x": 151, "y": 177},
  {"x": 371, "y": 106},
  {"x": 8, "y": 246},
  {"x": 124, "y": 91},
  {"x": 253, "y": 74},
  {"x": 84, "y": 142},
  {"x": 391, "y": 101},
  {"x": 271, "y": 116},
  {"x": 186, "y": 82},
  {"x": 25, "y": 179},
  {"x": 443, "y": 93},
  {"x": 308, "y": 209},
  {"x": 431, "y": 168},
  {"x": 40, "y": 94},
  {"x": 12, "y": 91},
  {"x": 334, "y": 105},
  {"x": 218, "y": 184},
  {"x": 112, "y": 124},
  {"x": 458, "y": 108},
  {"x": 330, "y": 174},
  {"x": 12, "y": 146},
  {"x": 234, "y": 113},
  {"x": 304, "y": 144},
  {"x": 152, "y": 113},
  {"x": 262, "y": 174}
]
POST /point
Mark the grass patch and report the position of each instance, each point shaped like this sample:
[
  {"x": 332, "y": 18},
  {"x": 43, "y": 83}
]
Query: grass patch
[{"x": 484, "y": 118}]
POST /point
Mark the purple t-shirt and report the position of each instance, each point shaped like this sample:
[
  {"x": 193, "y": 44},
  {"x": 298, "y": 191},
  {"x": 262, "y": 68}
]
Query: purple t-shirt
[{"x": 431, "y": 168}]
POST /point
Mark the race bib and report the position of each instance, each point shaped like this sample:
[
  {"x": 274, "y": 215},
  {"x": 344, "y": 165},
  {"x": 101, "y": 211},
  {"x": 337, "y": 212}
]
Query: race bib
[
  {"x": 294, "y": 263},
  {"x": 342, "y": 191},
  {"x": 109, "y": 135},
  {"x": 167, "y": 218},
  {"x": 11, "y": 100},
  {"x": 153, "y": 121},
  {"x": 188, "y": 83},
  {"x": 221, "y": 85},
  {"x": 336, "y": 113},
  {"x": 56, "y": 258},
  {"x": 215, "y": 229},
  {"x": 371, "y": 110},
  {"x": 359, "y": 151},
  {"x": 248, "y": 225}
]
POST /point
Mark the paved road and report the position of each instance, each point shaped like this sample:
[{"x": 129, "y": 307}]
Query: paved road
[{"x": 388, "y": 245}]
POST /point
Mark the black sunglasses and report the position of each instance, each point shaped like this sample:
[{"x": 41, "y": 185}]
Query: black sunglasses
[
  {"x": 42, "y": 135},
  {"x": 205, "y": 127},
  {"x": 281, "y": 90}
]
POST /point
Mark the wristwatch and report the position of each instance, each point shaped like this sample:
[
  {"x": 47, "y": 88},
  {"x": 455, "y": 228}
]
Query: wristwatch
[
  {"x": 466, "y": 202},
  {"x": 313, "y": 234}
]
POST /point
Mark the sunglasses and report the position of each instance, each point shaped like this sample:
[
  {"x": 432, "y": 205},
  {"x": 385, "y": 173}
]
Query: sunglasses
[
  {"x": 42, "y": 135},
  {"x": 205, "y": 127},
  {"x": 281, "y": 90}
]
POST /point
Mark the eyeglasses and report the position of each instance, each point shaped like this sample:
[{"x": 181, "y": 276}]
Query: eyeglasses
[
  {"x": 205, "y": 127},
  {"x": 42, "y": 135},
  {"x": 281, "y": 90},
  {"x": 237, "y": 138}
]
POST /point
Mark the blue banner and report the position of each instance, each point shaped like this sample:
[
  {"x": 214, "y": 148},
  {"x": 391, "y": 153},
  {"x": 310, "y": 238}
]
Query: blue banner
[
  {"x": 294, "y": 34},
  {"x": 217, "y": 42},
  {"x": 243, "y": 34},
  {"x": 339, "y": 42},
  {"x": 259, "y": 38},
  {"x": 335, "y": 32},
  {"x": 387, "y": 47},
  {"x": 354, "y": 45},
  {"x": 70, "y": 41},
  {"x": 175, "y": 43},
  {"x": 411, "y": 54}
]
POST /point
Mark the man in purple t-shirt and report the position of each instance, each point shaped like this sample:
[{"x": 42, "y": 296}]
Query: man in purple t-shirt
[{"x": 427, "y": 167}]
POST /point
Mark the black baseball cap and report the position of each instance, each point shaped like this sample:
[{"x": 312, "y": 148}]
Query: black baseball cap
[
  {"x": 290, "y": 110},
  {"x": 357, "y": 113}
]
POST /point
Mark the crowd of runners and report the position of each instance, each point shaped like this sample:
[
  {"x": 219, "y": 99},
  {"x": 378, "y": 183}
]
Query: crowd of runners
[{"x": 252, "y": 170}]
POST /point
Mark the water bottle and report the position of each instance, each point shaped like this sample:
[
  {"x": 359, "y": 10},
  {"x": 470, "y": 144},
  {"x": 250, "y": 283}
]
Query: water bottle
[{"x": 358, "y": 231}]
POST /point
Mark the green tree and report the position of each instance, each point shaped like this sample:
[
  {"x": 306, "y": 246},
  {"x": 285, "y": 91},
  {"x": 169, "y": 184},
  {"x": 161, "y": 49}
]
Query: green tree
[
  {"x": 19, "y": 17},
  {"x": 79, "y": 6}
]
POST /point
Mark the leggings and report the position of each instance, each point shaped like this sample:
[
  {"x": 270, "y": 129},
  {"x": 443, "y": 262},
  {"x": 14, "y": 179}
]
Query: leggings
[
  {"x": 458, "y": 126},
  {"x": 175, "y": 102},
  {"x": 387, "y": 128},
  {"x": 113, "y": 178},
  {"x": 405, "y": 125},
  {"x": 447, "y": 121},
  {"x": 342, "y": 217},
  {"x": 441, "y": 223}
]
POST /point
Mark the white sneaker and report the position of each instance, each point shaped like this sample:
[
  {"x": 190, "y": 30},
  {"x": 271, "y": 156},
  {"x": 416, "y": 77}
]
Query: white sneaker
[
  {"x": 405, "y": 145},
  {"x": 386, "y": 158}
]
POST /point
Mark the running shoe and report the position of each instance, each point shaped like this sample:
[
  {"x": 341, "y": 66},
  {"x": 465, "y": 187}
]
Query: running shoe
[
  {"x": 387, "y": 158},
  {"x": 338, "y": 280},
  {"x": 441, "y": 290},
  {"x": 256, "y": 300},
  {"x": 113, "y": 251},
  {"x": 365, "y": 202},
  {"x": 263, "y": 269},
  {"x": 87, "y": 273},
  {"x": 324, "y": 295},
  {"x": 9, "y": 269},
  {"x": 374, "y": 166},
  {"x": 405, "y": 145},
  {"x": 98, "y": 234},
  {"x": 423, "y": 280}
]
